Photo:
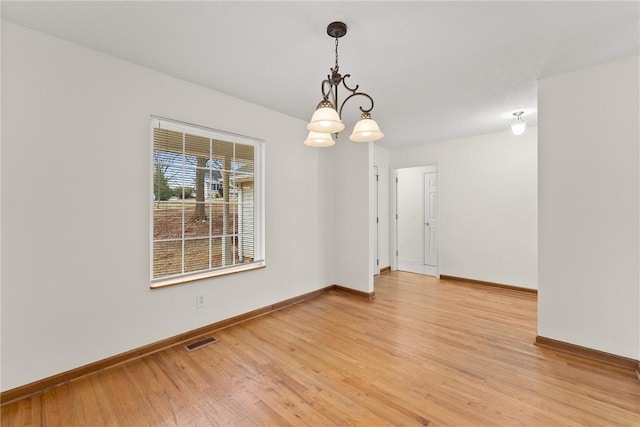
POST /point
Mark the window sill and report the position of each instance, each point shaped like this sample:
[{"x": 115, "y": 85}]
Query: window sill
[{"x": 161, "y": 283}]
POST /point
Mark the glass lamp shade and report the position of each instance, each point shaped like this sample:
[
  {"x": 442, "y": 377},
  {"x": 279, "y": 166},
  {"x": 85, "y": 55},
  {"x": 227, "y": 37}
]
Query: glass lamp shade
[
  {"x": 366, "y": 130},
  {"x": 325, "y": 120},
  {"x": 319, "y": 139},
  {"x": 518, "y": 126}
]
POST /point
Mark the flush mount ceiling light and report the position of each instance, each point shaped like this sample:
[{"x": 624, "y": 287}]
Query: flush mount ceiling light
[
  {"x": 327, "y": 118},
  {"x": 517, "y": 124}
]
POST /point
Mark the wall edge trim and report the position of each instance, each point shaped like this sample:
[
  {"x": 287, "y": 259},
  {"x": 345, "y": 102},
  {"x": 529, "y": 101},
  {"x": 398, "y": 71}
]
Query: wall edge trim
[
  {"x": 482, "y": 282},
  {"x": 588, "y": 353},
  {"x": 368, "y": 295}
]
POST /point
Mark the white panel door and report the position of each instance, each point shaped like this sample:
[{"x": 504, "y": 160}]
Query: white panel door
[{"x": 431, "y": 219}]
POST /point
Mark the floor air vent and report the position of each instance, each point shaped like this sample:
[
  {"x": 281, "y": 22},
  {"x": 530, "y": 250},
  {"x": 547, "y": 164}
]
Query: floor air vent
[{"x": 198, "y": 344}]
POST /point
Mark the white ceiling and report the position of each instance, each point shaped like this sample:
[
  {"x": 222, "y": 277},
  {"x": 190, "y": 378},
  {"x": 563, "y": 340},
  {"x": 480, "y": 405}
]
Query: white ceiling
[{"x": 436, "y": 70}]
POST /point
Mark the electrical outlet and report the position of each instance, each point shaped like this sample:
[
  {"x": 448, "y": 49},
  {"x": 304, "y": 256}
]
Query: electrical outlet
[{"x": 200, "y": 300}]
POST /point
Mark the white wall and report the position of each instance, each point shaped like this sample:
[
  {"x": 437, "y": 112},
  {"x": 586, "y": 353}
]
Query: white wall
[
  {"x": 488, "y": 204},
  {"x": 589, "y": 216},
  {"x": 352, "y": 213},
  {"x": 75, "y": 199},
  {"x": 381, "y": 160}
]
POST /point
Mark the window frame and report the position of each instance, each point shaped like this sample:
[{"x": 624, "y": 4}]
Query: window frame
[{"x": 258, "y": 201}]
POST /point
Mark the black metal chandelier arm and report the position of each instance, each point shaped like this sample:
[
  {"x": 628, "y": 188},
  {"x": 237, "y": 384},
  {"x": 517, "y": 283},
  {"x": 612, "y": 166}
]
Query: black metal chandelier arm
[
  {"x": 354, "y": 92},
  {"x": 330, "y": 87},
  {"x": 326, "y": 88},
  {"x": 364, "y": 110},
  {"x": 344, "y": 83}
]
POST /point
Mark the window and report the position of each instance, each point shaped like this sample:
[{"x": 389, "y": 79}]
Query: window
[{"x": 207, "y": 210}]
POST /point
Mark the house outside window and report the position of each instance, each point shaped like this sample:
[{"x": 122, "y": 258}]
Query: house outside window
[{"x": 208, "y": 203}]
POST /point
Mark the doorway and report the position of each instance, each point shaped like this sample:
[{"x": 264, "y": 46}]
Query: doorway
[{"x": 417, "y": 222}]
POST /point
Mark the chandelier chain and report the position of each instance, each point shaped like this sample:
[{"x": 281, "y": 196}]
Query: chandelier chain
[{"x": 337, "y": 53}]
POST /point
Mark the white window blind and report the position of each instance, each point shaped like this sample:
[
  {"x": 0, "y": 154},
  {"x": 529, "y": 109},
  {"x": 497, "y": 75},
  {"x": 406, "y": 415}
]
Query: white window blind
[{"x": 207, "y": 213}]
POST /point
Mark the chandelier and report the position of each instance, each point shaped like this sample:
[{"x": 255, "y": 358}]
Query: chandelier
[{"x": 326, "y": 119}]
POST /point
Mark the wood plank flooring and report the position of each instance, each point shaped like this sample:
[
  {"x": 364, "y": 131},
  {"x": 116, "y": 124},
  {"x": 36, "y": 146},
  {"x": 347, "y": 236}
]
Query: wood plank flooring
[{"x": 424, "y": 352}]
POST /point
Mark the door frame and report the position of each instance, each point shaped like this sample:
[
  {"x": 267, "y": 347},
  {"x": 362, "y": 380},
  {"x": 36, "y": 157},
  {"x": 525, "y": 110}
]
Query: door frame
[
  {"x": 393, "y": 204},
  {"x": 376, "y": 225}
]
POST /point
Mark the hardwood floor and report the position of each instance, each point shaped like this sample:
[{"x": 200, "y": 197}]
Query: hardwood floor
[{"x": 423, "y": 352}]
